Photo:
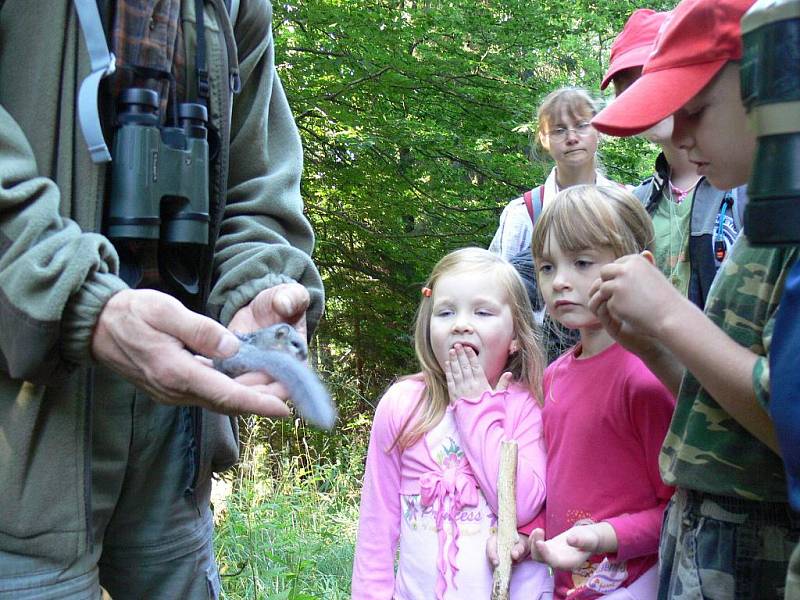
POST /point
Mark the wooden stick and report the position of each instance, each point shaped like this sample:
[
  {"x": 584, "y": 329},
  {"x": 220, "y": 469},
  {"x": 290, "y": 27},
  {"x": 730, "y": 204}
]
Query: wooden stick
[{"x": 506, "y": 518}]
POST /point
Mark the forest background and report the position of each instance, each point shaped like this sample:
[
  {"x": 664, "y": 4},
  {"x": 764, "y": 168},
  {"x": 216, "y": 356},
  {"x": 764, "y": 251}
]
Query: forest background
[{"x": 418, "y": 121}]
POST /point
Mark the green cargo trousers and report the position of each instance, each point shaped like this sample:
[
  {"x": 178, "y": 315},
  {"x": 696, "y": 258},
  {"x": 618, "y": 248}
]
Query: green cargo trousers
[
  {"x": 152, "y": 539},
  {"x": 721, "y": 548}
]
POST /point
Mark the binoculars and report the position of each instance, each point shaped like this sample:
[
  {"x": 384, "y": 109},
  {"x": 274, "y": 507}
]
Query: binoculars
[
  {"x": 160, "y": 195},
  {"x": 159, "y": 175},
  {"x": 770, "y": 78}
]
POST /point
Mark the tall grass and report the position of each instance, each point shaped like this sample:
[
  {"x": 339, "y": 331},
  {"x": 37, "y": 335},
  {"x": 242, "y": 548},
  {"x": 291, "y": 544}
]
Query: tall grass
[{"x": 287, "y": 529}]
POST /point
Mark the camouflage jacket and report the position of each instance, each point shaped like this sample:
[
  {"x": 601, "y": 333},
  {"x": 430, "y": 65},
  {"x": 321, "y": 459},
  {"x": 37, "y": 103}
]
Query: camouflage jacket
[{"x": 706, "y": 449}]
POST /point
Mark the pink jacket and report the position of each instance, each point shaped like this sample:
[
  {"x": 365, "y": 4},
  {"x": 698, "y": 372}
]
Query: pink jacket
[{"x": 482, "y": 424}]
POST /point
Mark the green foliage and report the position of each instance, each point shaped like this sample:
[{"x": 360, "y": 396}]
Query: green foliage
[
  {"x": 413, "y": 117},
  {"x": 416, "y": 118},
  {"x": 287, "y": 529}
]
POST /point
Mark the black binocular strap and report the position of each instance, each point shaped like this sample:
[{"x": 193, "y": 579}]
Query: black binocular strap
[{"x": 200, "y": 58}]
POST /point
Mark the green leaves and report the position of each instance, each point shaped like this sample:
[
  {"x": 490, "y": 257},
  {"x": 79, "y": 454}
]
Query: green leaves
[
  {"x": 413, "y": 116},
  {"x": 416, "y": 122}
]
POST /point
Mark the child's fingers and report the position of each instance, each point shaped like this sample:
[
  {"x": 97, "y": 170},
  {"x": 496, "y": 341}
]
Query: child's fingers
[
  {"x": 472, "y": 359},
  {"x": 463, "y": 358},
  {"x": 582, "y": 540},
  {"x": 466, "y": 367},
  {"x": 540, "y": 551},
  {"x": 448, "y": 365},
  {"x": 503, "y": 382},
  {"x": 491, "y": 550},
  {"x": 448, "y": 376},
  {"x": 576, "y": 541},
  {"x": 552, "y": 554},
  {"x": 455, "y": 366},
  {"x": 537, "y": 535},
  {"x": 519, "y": 551},
  {"x": 474, "y": 369}
]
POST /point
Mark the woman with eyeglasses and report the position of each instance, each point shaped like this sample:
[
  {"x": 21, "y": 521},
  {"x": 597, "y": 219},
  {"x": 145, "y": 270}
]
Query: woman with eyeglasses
[{"x": 566, "y": 134}]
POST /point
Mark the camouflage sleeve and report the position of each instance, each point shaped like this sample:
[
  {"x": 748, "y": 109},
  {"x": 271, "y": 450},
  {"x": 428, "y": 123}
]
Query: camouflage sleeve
[
  {"x": 786, "y": 257},
  {"x": 761, "y": 368}
]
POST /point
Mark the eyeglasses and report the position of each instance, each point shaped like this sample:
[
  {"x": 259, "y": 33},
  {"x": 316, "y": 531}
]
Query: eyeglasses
[{"x": 559, "y": 134}]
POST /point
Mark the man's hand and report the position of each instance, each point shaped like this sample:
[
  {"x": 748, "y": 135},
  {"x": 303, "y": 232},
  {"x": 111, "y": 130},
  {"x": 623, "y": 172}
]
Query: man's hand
[
  {"x": 519, "y": 551},
  {"x": 465, "y": 376},
  {"x": 284, "y": 303},
  {"x": 150, "y": 338}
]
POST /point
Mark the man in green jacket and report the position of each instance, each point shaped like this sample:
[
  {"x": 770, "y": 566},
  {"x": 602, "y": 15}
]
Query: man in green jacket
[{"x": 105, "y": 459}]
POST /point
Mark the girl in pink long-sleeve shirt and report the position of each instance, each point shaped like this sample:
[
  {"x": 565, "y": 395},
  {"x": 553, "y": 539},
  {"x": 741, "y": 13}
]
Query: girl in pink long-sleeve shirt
[
  {"x": 605, "y": 414},
  {"x": 430, "y": 487}
]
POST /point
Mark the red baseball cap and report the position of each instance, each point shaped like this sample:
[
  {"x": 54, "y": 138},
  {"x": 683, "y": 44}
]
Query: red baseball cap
[
  {"x": 696, "y": 40},
  {"x": 634, "y": 43}
]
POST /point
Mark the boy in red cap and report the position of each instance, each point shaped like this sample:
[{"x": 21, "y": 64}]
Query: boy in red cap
[
  {"x": 729, "y": 530},
  {"x": 695, "y": 223}
]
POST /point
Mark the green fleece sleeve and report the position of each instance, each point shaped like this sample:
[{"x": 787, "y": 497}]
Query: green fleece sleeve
[
  {"x": 54, "y": 278},
  {"x": 264, "y": 238}
]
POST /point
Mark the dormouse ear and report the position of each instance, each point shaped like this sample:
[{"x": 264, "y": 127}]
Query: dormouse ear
[
  {"x": 514, "y": 347},
  {"x": 648, "y": 256}
]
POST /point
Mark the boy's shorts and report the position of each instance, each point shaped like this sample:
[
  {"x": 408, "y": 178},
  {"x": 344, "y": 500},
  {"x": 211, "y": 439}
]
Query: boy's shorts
[{"x": 722, "y": 548}]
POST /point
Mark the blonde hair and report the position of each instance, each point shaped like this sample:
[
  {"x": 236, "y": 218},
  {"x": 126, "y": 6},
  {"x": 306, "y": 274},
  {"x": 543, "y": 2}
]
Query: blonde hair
[
  {"x": 591, "y": 216},
  {"x": 572, "y": 101},
  {"x": 526, "y": 364}
]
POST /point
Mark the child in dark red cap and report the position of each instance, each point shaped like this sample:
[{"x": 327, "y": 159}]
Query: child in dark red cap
[
  {"x": 729, "y": 530},
  {"x": 695, "y": 223}
]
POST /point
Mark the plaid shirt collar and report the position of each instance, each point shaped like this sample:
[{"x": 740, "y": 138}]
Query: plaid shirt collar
[{"x": 147, "y": 36}]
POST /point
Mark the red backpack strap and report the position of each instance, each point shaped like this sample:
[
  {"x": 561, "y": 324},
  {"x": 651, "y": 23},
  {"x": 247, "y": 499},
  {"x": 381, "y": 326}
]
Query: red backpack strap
[
  {"x": 534, "y": 206},
  {"x": 528, "y": 197}
]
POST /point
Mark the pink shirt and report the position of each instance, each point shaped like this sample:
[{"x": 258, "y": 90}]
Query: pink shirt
[
  {"x": 437, "y": 499},
  {"x": 605, "y": 418}
]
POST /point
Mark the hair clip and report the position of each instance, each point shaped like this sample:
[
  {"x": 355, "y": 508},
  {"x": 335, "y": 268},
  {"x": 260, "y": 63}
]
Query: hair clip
[{"x": 426, "y": 291}]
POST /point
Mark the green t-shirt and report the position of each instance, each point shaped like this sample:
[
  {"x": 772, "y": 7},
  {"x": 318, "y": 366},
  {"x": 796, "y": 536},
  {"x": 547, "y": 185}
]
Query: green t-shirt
[
  {"x": 672, "y": 224},
  {"x": 705, "y": 448}
]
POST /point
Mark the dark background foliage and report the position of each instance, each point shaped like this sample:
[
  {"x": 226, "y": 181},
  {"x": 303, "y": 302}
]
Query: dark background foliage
[
  {"x": 417, "y": 121},
  {"x": 416, "y": 118}
]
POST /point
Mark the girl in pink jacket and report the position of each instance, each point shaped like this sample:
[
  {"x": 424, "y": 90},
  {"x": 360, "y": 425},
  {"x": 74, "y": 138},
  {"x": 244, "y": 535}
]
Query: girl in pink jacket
[{"x": 430, "y": 487}]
